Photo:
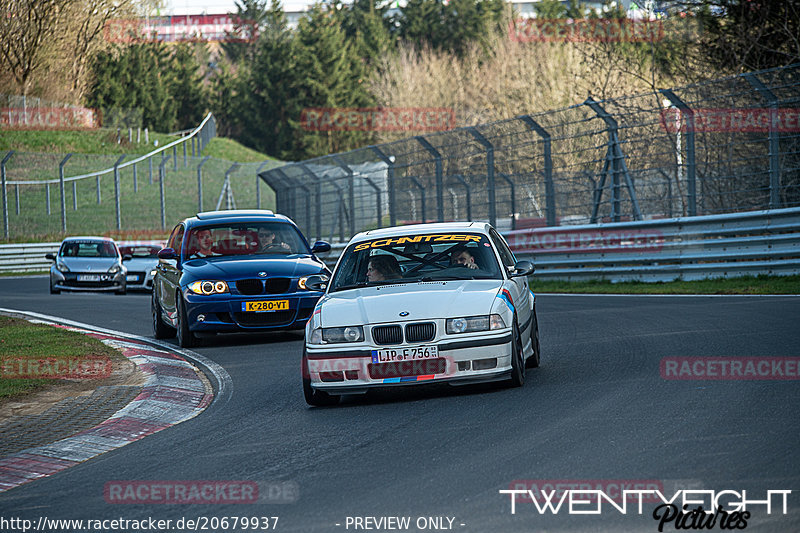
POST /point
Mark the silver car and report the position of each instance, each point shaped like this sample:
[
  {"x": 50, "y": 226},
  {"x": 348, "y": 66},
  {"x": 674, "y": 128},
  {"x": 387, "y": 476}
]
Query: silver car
[
  {"x": 88, "y": 264},
  {"x": 144, "y": 260}
]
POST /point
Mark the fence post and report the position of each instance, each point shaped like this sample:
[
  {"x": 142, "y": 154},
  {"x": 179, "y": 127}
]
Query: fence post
[
  {"x": 351, "y": 193},
  {"x": 47, "y": 195},
  {"x": 513, "y": 200},
  {"x": 200, "y": 183},
  {"x": 691, "y": 168},
  {"x": 135, "y": 180},
  {"x": 116, "y": 191},
  {"x": 389, "y": 160},
  {"x": 489, "y": 172},
  {"x": 318, "y": 206},
  {"x": 307, "y": 202},
  {"x": 549, "y": 188},
  {"x": 614, "y": 165},
  {"x": 421, "y": 195},
  {"x": 150, "y": 168},
  {"x": 377, "y": 190},
  {"x": 185, "y": 163},
  {"x": 774, "y": 142},
  {"x": 162, "y": 174},
  {"x": 175, "y": 158},
  {"x": 97, "y": 183},
  {"x": 461, "y": 180},
  {"x": 5, "y": 193},
  {"x": 258, "y": 184},
  {"x": 437, "y": 158},
  {"x": 75, "y": 195},
  {"x": 63, "y": 193},
  {"x": 227, "y": 189},
  {"x": 194, "y": 151}
]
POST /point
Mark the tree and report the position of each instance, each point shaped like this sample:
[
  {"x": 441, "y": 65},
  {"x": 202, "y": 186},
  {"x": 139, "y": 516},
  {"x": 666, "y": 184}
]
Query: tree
[
  {"x": 248, "y": 20},
  {"x": 186, "y": 86},
  {"x": 25, "y": 31}
]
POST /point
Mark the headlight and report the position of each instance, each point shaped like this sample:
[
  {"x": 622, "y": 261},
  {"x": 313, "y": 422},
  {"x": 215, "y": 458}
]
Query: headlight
[
  {"x": 208, "y": 287},
  {"x": 469, "y": 324},
  {"x": 153, "y": 273},
  {"x": 61, "y": 267},
  {"x": 337, "y": 335},
  {"x": 301, "y": 283},
  {"x": 114, "y": 269}
]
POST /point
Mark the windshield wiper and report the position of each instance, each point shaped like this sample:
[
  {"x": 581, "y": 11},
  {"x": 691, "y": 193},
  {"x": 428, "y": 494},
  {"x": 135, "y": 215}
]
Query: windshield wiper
[
  {"x": 444, "y": 278},
  {"x": 351, "y": 286}
]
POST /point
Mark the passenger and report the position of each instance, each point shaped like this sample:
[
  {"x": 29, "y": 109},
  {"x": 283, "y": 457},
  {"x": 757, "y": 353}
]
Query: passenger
[
  {"x": 202, "y": 245},
  {"x": 463, "y": 258},
  {"x": 383, "y": 267}
]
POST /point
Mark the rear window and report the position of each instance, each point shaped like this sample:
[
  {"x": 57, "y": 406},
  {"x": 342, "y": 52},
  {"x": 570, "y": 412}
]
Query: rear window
[{"x": 140, "y": 252}]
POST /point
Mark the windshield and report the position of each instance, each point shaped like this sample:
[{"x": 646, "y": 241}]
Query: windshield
[
  {"x": 88, "y": 249},
  {"x": 413, "y": 258},
  {"x": 248, "y": 238}
]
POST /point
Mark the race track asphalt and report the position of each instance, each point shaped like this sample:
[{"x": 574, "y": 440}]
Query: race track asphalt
[{"x": 597, "y": 409}]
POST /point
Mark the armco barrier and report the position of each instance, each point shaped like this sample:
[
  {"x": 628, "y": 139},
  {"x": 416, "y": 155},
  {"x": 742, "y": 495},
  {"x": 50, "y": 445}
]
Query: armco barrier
[{"x": 730, "y": 245}]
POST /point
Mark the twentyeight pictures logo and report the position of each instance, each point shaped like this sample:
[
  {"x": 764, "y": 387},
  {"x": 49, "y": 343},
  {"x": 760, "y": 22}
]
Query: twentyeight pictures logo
[{"x": 378, "y": 119}]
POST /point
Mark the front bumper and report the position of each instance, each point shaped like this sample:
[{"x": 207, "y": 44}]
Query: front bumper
[
  {"x": 69, "y": 281},
  {"x": 466, "y": 360},
  {"x": 223, "y": 312}
]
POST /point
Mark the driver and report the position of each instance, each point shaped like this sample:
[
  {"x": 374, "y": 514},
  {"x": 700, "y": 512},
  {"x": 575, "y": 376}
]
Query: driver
[
  {"x": 266, "y": 241},
  {"x": 463, "y": 258}
]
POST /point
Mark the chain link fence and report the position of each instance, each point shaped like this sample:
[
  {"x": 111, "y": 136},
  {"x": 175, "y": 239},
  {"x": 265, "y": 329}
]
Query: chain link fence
[
  {"x": 54, "y": 194},
  {"x": 722, "y": 146}
]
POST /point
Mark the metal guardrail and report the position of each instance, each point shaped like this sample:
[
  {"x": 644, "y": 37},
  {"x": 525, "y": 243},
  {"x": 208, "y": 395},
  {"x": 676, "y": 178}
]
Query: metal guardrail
[{"x": 687, "y": 248}]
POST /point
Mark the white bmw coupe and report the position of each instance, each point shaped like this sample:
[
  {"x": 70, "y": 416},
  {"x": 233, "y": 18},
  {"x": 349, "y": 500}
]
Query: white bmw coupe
[{"x": 419, "y": 304}]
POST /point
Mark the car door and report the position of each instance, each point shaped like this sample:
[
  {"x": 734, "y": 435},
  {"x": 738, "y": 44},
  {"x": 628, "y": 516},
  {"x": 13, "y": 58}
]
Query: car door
[
  {"x": 518, "y": 286},
  {"x": 169, "y": 273}
]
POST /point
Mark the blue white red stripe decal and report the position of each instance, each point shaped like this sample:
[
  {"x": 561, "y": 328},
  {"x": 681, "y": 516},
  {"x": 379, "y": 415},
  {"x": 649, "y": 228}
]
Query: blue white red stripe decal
[
  {"x": 506, "y": 297},
  {"x": 408, "y": 379}
]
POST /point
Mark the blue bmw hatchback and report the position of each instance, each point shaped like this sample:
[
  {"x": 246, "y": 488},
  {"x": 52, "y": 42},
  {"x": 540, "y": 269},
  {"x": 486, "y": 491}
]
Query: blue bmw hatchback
[{"x": 229, "y": 271}]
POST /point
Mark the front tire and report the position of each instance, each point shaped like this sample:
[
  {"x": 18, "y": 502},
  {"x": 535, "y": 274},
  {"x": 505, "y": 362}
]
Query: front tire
[
  {"x": 314, "y": 397},
  {"x": 53, "y": 290},
  {"x": 533, "y": 360},
  {"x": 122, "y": 291},
  {"x": 517, "y": 362},
  {"x": 186, "y": 339},
  {"x": 160, "y": 330}
]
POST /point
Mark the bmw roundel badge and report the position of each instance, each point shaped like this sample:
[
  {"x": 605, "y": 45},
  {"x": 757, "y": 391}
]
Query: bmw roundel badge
[
  {"x": 404, "y": 313},
  {"x": 262, "y": 274}
]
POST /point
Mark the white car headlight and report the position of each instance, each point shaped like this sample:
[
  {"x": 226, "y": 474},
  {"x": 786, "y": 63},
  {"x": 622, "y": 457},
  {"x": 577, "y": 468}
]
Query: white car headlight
[
  {"x": 468, "y": 324},
  {"x": 61, "y": 267},
  {"x": 337, "y": 335},
  {"x": 207, "y": 287},
  {"x": 114, "y": 269}
]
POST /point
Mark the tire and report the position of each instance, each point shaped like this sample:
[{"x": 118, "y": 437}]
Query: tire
[
  {"x": 186, "y": 339},
  {"x": 160, "y": 330},
  {"x": 533, "y": 360},
  {"x": 314, "y": 397},
  {"x": 517, "y": 362},
  {"x": 122, "y": 291},
  {"x": 53, "y": 290}
]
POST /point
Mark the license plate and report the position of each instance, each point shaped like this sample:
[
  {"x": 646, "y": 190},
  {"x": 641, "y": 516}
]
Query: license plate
[
  {"x": 88, "y": 277},
  {"x": 392, "y": 355},
  {"x": 132, "y": 277},
  {"x": 265, "y": 306}
]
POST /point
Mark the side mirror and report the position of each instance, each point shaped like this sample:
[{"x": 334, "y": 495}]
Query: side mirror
[
  {"x": 127, "y": 257},
  {"x": 522, "y": 268},
  {"x": 51, "y": 257},
  {"x": 167, "y": 253},
  {"x": 317, "y": 283},
  {"x": 321, "y": 247}
]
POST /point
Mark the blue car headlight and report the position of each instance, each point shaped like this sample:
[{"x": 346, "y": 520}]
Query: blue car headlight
[{"x": 207, "y": 287}]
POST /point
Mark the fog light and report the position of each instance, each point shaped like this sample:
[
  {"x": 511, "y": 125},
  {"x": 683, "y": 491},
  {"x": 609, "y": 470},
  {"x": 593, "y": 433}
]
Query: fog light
[
  {"x": 463, "y": 365},
  {"x": 331, "y": 376},
  {"x": 201, "y": 318},
  {"x": 351, "y": 374},
  {"x": 484, "y": 364}
]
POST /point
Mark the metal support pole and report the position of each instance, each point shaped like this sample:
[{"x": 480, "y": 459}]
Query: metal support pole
[
  {"x": 194, "y": 147},
  {"x": 377, "y": 190},
  {"x": 150, "y": 168},
  {"x": 135, "y": 179},
  {"x": 47, "y": 196},
  {"x": 489, "y": 172},
  {"x": 162, "y": 174},
  {"x": 389, "y": 160},
  {"x": 185, "y": 162},
  {"x": 116, "y": 191},
  {"x": 421, "y": 194},
  {"x": 307, "y": 202},
  {"x": 75, "y": 195},
  {"x": 513, "y": 200},
  {"x": 16, "y": 197},
  {"x": 258, "y": 184},
  {"x": 461, "y": 180},
  {"x": 175, "y": 158},
  {"x": 318, "y": 207},
  {"x": 200, "y": 184},
  {"x": 351, "y": 193},
  {"x": 774, "y": 142},
  {"x": 63, "y": 193},
  {"x": 691, "y": 168},
  {"x": 97, "y": 183},
  {"x": 437, "y": 158},
  {"x": 549, "y": 189},
  {"x": 5, "y": 193}
]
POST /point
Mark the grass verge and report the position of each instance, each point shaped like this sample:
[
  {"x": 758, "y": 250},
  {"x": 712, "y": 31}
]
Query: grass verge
[
  {"x": 743, "y": 285},
  {"x": 32, "y": 349}
]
